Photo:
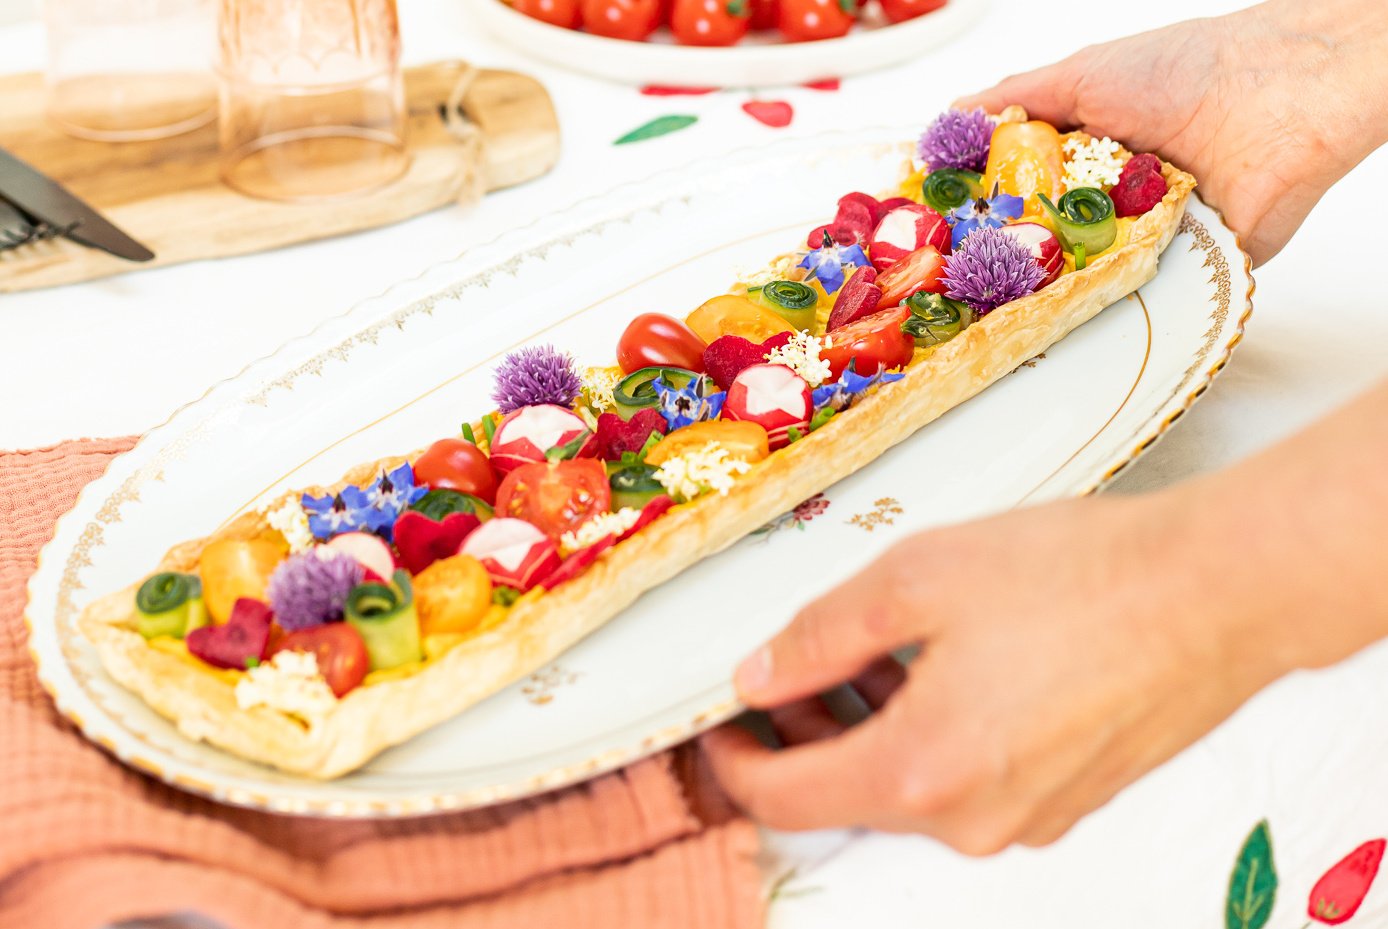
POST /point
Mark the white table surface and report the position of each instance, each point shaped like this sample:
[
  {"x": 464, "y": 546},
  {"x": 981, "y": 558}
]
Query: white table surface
[{"x": 118, "y": 356}]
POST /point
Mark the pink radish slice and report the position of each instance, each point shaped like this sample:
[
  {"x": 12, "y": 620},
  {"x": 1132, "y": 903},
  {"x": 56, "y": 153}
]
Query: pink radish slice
[
  {"x": 1044, "y": 247},
  {"x": 371, "y": 552},
  {"x": 514, "y": 552},
  {"x": 526, "y": 434},
  {"x": 905, "y": 229},
  {"x": 772, "y": 396}
]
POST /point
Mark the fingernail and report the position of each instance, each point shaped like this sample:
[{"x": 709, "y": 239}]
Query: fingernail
[{"x": 755, "y": 672}]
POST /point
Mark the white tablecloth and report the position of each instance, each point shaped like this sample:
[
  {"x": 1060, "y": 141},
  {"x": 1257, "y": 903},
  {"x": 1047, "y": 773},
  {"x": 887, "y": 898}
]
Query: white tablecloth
[{"x": 118, "y": 356}]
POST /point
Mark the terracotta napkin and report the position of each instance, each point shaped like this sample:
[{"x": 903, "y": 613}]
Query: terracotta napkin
[{"x": 85, "y": 841}]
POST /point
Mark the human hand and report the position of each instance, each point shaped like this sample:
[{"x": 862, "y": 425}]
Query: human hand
[
  {"x": 1065, "y": 653},
  {"x": 1268, "y": 107}
]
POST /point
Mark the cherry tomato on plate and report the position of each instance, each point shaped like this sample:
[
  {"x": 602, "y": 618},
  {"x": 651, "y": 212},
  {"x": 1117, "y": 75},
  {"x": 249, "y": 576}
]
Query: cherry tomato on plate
[
  {"x": 654, "y": 340},
  {"x": 733, "y": 314},
  {"x": 709, "y": 22},
  {"x": 234, "y": 568},
  {"x": 555, "y": 12},
  {"x": 555, "y": 496},
  {"x": 923, "y": 269},
  {"x": 807, "y": 20},
  {"x": 898, "y": 11},
  {"x": 743, "y": 440},
  {"x": 871, "y": 342},
  {"x": 456, "y": 464},
  {"x": 340, "y": 651},
  {"x": 621, "y": 19}
]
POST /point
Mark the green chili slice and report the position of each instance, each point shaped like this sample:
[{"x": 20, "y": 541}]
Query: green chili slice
[
  {"x": 935, "y": 319},
  {"x": 443, "y": 501},
  {"x": 1084, "y": 220},
  {"x": 637, "y": 391},
  {"x": 793, "y": 301},
  {"x": 170, "y": 604},
  {"x": 948, "y": 189},
  {"x": 385, "y": 616}
]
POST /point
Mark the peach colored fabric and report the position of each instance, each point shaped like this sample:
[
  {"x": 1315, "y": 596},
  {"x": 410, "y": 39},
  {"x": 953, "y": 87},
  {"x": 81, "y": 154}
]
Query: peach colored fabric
[{"x": 84, "y": 841}]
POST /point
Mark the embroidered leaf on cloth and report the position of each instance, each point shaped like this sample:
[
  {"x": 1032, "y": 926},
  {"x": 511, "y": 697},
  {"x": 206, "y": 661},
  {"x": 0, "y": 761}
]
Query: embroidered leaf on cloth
[
  {"x": 1253, "y": 885},
  {"x": 661, "y": 125}
]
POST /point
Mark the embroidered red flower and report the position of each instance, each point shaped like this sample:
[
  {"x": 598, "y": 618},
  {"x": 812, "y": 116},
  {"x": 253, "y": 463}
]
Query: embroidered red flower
[{"x": 1337, "y": 895}]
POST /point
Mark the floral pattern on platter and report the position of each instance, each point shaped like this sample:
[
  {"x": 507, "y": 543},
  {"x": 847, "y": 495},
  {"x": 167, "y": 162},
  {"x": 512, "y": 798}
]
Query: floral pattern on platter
[
  {"x": 796, "y": 518},
  {"x": 539, "y": 687},
  {"x": 884, "y": 512}
]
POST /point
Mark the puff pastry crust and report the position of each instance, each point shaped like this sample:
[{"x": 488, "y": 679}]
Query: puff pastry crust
[{"x": 372, "y": 718}]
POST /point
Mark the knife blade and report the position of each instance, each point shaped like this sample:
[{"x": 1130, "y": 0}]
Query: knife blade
[{"x": 50, "y": 203}]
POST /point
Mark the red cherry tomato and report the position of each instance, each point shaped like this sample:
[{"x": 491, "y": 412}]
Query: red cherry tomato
[
  {"x": 456, "y": 464},
  {"x": 657, "y": 340},
  {"x": 898, "y": 11},
  {"x": 340, "y": 651},
  {"x": 709, "y": 22},
  {"x": 765, "y": 13},
  {"x": 923, "y": 269},
  {"x": 555, "y": 12},
  {"x": 621, "y": 19},
  {"x": 871, "y": 342},
  {"x": 556, "y": 496},
  {"x": 807, "y": 20}
]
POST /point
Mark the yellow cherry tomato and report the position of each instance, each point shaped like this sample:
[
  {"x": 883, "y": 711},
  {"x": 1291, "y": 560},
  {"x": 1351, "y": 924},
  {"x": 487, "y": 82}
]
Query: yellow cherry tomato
[
  {"x": 234, "y": 568},
  {"x": 743, "y": 440},
  {"x": 1025, "y": 159},
  {"x": 734, "y": 314},
  {"x": 452, "y": 596}
]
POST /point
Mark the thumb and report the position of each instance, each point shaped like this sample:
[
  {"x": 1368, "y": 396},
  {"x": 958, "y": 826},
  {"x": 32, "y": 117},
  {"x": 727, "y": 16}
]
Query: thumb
[
  {"x": 834, "y": 638},
  {"x": 1047, "y": 93}
]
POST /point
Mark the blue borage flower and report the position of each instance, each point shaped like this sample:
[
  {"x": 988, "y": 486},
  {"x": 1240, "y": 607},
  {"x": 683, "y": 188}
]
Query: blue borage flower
[
  {"x": 983, "y": 213},
  {"x": 691, "y": 403},
  {"x": 534, "y": 375},
  {"x": 850, "y": 388},
  {"x": 354, "y": 509},
  {"x": 957, "y": 139},
  {"x": 827, "y": 262}
]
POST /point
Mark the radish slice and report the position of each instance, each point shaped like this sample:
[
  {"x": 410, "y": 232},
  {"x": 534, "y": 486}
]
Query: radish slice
[
  {"x": 514, "y": 552},
  {"x": 370, "y": 551},
  {"x": 525, "y": 435},
  {"x": 1044, "y": 247},
  {"x": 772, "y": 396},
  {"x": 905, "y": 229}
]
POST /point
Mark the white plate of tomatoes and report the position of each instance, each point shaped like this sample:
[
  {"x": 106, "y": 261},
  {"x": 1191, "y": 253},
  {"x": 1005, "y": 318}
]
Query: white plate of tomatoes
[{"x": 724, "y": 43}]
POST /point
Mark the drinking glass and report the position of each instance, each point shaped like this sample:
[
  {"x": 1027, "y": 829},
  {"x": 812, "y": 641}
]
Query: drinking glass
[
  {"x": 312, "y": 102},
  {"x": 123, "y": 70}
]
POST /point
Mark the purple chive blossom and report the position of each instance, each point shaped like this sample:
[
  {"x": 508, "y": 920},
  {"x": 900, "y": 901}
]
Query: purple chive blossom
[
  {"x": 535, "y": 375},
  {"x": 957, "y": 139},
  {"x": 989, "y": 269},
  {"x": 311, "y": 587}
]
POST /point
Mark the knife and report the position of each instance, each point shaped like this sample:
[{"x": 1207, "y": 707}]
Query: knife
[{"x": 48, "y": 202}]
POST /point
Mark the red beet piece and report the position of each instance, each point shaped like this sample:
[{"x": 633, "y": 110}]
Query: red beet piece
[
  {"x": 857, "y": 298},
  {"x": 1140, "y": 187},
  {"x": 422, "y": 541},
  {"x": 245, "y": 635},
  {"x": 615, "y": 435}
]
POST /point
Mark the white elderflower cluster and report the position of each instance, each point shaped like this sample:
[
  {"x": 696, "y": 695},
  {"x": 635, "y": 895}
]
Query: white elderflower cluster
[
  {"x": 292, "y": 522},
  {"x": 711, "y": 469},
  {"x": 1095, "y": 163},
  {"x": 289, "y": 682},
  {"x": 598, "y": 528},
  {"x": 598, "y": 384},
  {"x": 783, "y": 268},
  {"x": 801, "y": 355}
]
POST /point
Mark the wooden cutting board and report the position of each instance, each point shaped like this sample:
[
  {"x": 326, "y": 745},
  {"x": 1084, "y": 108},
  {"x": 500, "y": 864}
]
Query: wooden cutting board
[{"x": 167, "y": 193}]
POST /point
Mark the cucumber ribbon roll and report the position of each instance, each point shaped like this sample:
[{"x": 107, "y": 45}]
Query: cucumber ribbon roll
[
  {"x": 170, "y": 604},
  {"x": 385, "y": 616},
  {"x": 442, "y": 502},
  {"x": 1084, "y": 221},
  {"x": 947, "y": 189},
  {"x": 935, "y": 319},
  {"x": 794, "y": 302},
  {"x": 637, "y": 390}
]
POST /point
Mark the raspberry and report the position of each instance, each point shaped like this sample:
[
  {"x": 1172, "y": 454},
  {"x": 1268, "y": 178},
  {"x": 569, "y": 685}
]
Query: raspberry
[
  {"x": 1140, "y": 187},
  {"x": 616, "y": 435},
  {"x": 728, "y": 355}
]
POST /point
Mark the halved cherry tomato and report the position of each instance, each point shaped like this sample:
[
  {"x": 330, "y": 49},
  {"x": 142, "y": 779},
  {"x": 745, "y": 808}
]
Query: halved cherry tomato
[
  {"x": 743, "y": 440},
  {"x": 555, "y": 12},
  {"x": 898, "y": 11},
  {"x": 709, "y": 22},
  {"x": 923, "y": 269},
  {"x": 1025, "y": 159},
  {"x": 807, "y": 20},
  {"x": 341, "y": 653},
  {"x": 621, "y": 19},
  {"x": 234, "y": 568},
  {"x": 456, "y": 464},
  {"x": 734, "y": 314},
  {"x": 654, "y": 340},
  {"x": 555, "y": 496},
  {"x": 452, "y": 595},
  {"x": 872, "y": 342}
]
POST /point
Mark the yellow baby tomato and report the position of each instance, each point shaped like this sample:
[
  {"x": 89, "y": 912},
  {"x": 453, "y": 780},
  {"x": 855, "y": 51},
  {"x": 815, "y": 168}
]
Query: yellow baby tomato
[
  {"x": 734, "y": 314},
  {"x": 234, "y": 568},
  {"x": 1025, "y": 159},
  {"x": 452, "y": 595},
  {"x": 743, "y": 440}
]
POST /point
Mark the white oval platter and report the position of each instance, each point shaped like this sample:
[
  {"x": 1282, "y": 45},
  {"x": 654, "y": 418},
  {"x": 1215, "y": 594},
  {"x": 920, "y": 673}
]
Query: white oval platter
[
  {"x": 405, "y": 368},
  {"x": 756, "y": 61}
]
